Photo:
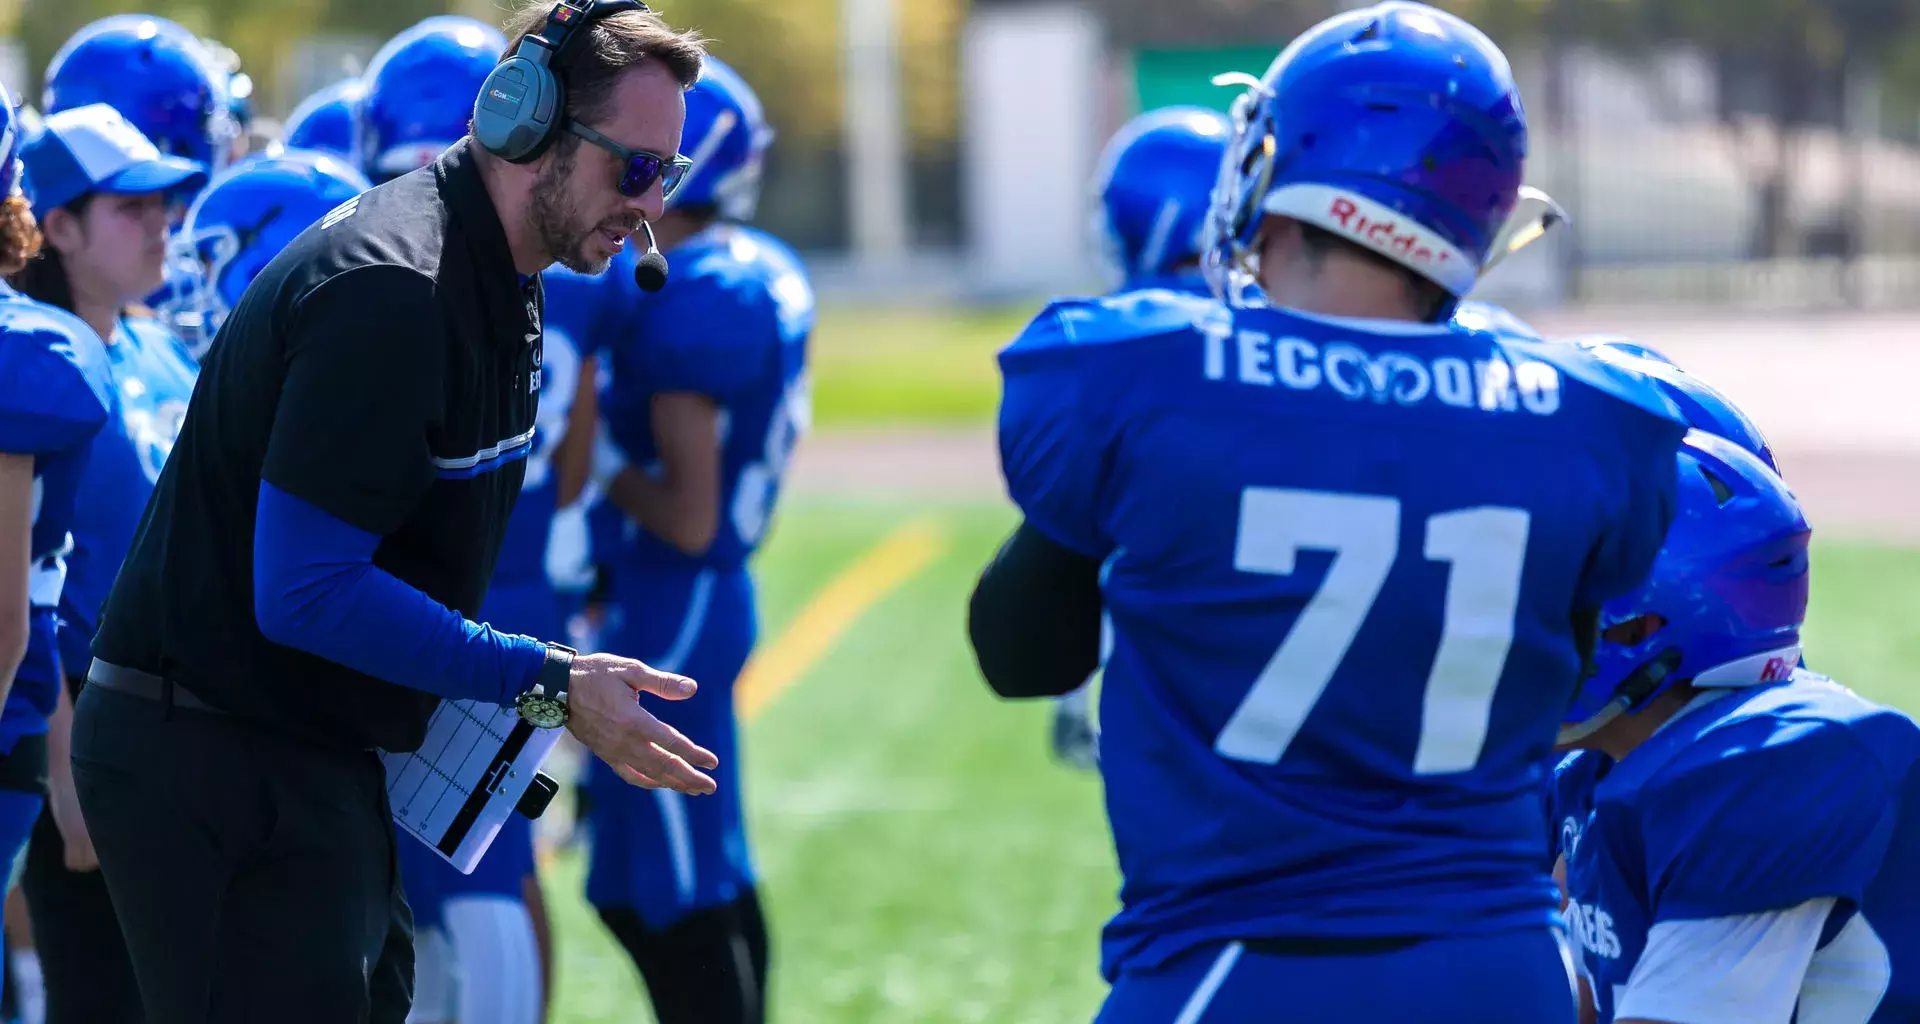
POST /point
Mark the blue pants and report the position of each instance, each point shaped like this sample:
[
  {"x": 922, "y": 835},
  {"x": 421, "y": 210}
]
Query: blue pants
[
  {"x": 1522, "y": 977},
  {"x": 660, "y": 853}
]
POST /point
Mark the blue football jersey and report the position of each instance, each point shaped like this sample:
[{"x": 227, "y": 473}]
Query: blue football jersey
[
  {"x": 1340, "y": 561},
  {"x": 1760, "y": 800},
  {"x": 1194, "y": 284},
  {"x": 1570, "y": 800},
  {"x": 153, "y": 378},
  {"x": 523, "y": 553},
  {"x": 733, "y": 324},
  {"x": 55, "y": 389}
]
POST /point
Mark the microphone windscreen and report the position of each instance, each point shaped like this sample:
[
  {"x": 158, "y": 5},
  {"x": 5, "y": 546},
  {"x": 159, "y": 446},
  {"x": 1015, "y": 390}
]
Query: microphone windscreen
[{"x": 650, "y": 273}]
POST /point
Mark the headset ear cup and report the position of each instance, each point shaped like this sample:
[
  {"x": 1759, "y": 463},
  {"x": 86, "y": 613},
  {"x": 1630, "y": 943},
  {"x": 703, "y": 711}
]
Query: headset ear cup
[
  {"x": 555, "y": 110},
  {"x": 516, "y": 112}
]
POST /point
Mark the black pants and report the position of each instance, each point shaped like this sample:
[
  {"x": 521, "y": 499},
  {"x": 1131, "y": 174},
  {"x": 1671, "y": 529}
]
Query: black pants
[
  {"x": 253, "y": 875},
  {"x": 710, "y": 967},
  {"x": 83, "y": 957}
]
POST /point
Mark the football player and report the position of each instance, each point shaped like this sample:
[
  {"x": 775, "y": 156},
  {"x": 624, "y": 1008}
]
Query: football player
[
  {"x": 1740, "y": 836},
  {"x": 1352, "y": 551},
  {"x": 246, "y": 216},
  {"x": 56, "y": 389},
  {"x": 1151, "y": 193},
  {"x": 159, "y": 76},
  {"x": 325, "y": 120},
  {"x": 419, "y": 94},
  {"x": 706, "y": 399},
  {"x": 492, "y": 923},
  {"x": 483, "y": 953}
]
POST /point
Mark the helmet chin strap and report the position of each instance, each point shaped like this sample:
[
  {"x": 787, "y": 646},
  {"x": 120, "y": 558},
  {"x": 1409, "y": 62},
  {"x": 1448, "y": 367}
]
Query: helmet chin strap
[{"x": 1629, "y": 695}]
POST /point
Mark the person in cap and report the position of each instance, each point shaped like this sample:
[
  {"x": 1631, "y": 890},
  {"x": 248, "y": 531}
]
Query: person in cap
[{"x": 102, "y": 191}]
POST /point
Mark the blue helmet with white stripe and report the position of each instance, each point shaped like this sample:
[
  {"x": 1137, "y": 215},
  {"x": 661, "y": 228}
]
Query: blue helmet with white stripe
[
  {"x": 1726, "y": 599},
  {"x": 325, "y": 120},
  {"x": 727, "y": 137},
  {"x": 420, "y": 91},
  {"x": 247, "y": 215},
  {"x": 1153, "y": 186},
  {"x": 1396, "y": 127},
  {"x": 158, "y": 75}
]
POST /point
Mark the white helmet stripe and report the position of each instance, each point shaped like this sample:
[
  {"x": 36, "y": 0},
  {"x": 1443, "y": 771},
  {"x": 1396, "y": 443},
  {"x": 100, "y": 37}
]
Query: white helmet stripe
[{"x": 1380, "y": 228}]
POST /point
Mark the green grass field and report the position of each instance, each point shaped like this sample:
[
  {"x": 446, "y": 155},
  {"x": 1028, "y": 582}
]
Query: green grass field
[
  {"x": 922, "y": 858},
  {"x": 921, "y": 367}
]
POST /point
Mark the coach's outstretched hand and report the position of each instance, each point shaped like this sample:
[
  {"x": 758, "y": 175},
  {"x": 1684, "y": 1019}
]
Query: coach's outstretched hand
[{"x": 604, "y": 712}]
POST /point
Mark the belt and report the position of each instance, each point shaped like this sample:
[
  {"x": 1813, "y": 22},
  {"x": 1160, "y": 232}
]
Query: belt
[{"x": 146, "y": 685}]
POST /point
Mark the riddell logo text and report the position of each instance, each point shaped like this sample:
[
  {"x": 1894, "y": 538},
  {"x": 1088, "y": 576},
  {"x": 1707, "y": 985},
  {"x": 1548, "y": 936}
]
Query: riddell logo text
[
  {"x": 1385, "y": 235},
  {"x": 1776, "y": 670}
]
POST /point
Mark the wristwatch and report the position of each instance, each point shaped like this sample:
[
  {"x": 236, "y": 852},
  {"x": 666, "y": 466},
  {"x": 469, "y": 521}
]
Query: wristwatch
[{"x": 545, "y": 706}]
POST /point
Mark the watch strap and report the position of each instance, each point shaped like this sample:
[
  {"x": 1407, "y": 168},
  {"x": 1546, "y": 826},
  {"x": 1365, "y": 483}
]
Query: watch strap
[{"x": 555, "y": 672}]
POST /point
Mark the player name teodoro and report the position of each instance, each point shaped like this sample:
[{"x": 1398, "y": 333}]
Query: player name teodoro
[{"x": 1493, "y": 385}]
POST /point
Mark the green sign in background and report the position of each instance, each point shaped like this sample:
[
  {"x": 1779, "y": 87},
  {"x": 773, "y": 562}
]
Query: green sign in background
[{"x": 1165, "y": 78}]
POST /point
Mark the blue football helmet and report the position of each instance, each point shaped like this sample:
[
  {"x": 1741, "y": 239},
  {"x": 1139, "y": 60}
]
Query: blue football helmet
[
  {"x": 420, "y": 91},
  {"x": 1152, "y": 191},
  {"x": 726, "y": 136},
  {"x": 1704, "y": 406},
  {"x": 325, "y": 120},
  {"x": 1397, "y": 127},
  {"x": 1726, "y": 598},
  {"x": 157, "y": 75},
  {"x": 247, "y": 215}
]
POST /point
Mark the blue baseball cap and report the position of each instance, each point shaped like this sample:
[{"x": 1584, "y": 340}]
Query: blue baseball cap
[{"x": 94, "y": 149}]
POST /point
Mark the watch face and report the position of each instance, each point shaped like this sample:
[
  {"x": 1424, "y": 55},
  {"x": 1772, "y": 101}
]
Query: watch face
[{"x": 543, "y": 712}]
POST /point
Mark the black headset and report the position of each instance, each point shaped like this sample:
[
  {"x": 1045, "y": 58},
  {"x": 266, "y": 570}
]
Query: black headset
[{"x": 523, "y": 103}]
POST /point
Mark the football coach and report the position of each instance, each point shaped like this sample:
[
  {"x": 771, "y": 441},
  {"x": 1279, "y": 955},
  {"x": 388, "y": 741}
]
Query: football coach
[{"x": 301, "y": 590}]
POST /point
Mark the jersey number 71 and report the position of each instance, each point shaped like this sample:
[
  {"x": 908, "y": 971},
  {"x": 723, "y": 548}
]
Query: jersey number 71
[{"x": 1485, "y": 548}]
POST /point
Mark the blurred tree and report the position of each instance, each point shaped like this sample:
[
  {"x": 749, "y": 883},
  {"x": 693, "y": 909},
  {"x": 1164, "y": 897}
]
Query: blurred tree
[
  {"x": 930, "y": 68},
  {"x": 1783, "y": 66},
  {"x": 1786, "y": 66}
]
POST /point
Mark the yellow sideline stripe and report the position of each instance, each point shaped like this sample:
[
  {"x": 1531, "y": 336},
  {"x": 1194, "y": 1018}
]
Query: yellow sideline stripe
[{"x": 896, "y": 559}]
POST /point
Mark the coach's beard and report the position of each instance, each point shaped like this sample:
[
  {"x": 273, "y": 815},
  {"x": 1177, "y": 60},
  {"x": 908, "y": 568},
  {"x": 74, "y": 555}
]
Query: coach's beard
[{"x": 554, "y": 215}]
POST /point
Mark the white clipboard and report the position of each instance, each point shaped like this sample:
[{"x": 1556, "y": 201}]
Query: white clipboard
[{"x": 456, "y": 791}]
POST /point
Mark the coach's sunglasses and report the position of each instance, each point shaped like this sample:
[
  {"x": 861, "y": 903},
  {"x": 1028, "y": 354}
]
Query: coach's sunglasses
[{"x": 642, "y": 167}]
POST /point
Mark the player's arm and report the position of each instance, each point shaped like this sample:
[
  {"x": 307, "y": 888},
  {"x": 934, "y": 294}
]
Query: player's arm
[
  {"x": 1034, "y": 618},
  {"x": 16, "y": 562},
  {"x": 573, "y": 459},
  {"x": 47, "y": 405},
  {"x": 680, "y": 503},
  {"x": 348, "y": 461}
]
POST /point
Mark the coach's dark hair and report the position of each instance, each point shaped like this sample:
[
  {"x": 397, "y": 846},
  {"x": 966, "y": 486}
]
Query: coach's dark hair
[
  {"x": 1423, "y": 294},
  {"x": 44, "y": 277},
  {"x": 612, "y": 45}
]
